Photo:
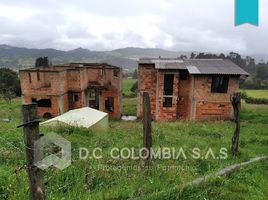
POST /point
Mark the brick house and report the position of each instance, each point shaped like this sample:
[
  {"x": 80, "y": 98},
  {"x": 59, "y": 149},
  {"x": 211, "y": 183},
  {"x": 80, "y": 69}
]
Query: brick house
[
  {"x": 196, "y": 89},
  {"x": 58, "y": 89}
]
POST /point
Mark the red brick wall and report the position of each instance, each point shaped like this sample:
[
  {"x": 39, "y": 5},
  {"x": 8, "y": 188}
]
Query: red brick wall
[
  {"x": 195, "y": 100},
  {"x": 117, "y": 104},
  {"x": 53, "y": 110},
  {"x": 58, "y": 84},
  {"x": 74, "y": 80},
  {"x": 181, "y": 88},
  {"x": 147, "y": 83},
  {"x": 213, "y": 105}
]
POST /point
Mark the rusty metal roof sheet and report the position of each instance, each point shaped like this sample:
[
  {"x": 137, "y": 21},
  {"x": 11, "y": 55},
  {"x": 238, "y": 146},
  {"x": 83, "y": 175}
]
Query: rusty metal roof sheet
[{"x": 198, "y": 66}]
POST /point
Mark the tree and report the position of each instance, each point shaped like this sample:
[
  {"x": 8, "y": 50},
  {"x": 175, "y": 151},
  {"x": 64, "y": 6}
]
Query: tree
[
  {"x": 9, "y": 82},
  {"x": 183, "y": 57},
  {"x": 262, "y": 73},
  {"x": 42, "y": 62},
  {"x": 222, "y": 56},
  {"x": 192, "y": 55},
  {"x": 134, "y": 87},
  {"x": 135, "y": 74},
  {"x": 7, "y": 95}
]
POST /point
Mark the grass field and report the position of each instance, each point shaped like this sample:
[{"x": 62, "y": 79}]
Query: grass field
[
  {"x": 257, "y": 93},
  {"x": 127, "y": 84},
  {"x": 123, "y": 179},
  {"x": 129, "y": 100}
]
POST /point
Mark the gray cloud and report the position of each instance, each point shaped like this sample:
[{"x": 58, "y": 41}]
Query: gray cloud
[{"x": 171, "y": 24}]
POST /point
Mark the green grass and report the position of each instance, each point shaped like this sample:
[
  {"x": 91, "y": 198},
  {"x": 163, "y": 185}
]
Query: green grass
[
  {"x": 127, "y": 84},
  {"x": 130, "y": 106},
  {"x": 85, "y": 179},
  {"x": 257, "y": 93}
]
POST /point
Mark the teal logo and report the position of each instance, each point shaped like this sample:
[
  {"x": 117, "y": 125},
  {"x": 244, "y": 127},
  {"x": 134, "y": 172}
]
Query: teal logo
[{"x": 247, "y": 11}]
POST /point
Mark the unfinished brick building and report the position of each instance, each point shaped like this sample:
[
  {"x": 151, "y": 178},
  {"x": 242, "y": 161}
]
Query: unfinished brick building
[
  {"x": 197, "y": 89},
  {"x": 58, "y": 89}
]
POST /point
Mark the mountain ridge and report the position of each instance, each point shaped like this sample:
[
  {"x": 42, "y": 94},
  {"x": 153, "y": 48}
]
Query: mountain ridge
[{"x": 17, "y": 57}]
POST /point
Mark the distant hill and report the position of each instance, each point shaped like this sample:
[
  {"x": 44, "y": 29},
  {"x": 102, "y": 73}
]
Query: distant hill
[
  {"x": 135, "y": 53},
  {"x": 15, "y": 57}
]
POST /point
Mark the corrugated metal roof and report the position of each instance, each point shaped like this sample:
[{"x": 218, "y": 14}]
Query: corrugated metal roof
[
  {"x": 193, "y": 70},
  {"x": 198, "y": 66}
]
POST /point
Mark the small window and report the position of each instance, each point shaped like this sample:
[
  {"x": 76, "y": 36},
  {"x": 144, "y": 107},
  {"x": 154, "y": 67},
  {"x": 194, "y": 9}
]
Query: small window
[
  {"x": 168, "y": 90},
  {"x": 183, "y": 75},
  {"x": 30, "y": 78},
  {"x": 76, "y": 97},
  {"x": 109, "y": 104},
  {"x": 91, "y": 93},
  {"x": 46, "y": 103},
  {"x": 219, "y": 84},
  {"x": 167, "y": 102},
  {"x": 116, "y": 72},
  {"x": 38, "y": 75},
  {"x": 168, "y": 84},
  {"x": 102, "y": 72}
]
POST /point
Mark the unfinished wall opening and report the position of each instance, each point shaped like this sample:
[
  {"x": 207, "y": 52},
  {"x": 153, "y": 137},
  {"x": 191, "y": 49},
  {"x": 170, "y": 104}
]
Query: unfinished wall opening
[
  {"x": 45, "y": 103},
  {"x": 167, "y": 103},
  {"x": 92, "y": 94},
  {"x": 38, "y": 75},
  {"x": 109, "y": 104},
  {"x": 219, "y": 84},
  {"x": 168, "y": 90},
  {"x": 30, "y": 77},
  {"x": 102, "y": 72},
  {"x": 47, "y": 115},
  {"x": 75, "y": 97},
  {"x": 183, "y": 75},
  {"x": 116, "y": 72},
  {"x": 93, "y": 98}
]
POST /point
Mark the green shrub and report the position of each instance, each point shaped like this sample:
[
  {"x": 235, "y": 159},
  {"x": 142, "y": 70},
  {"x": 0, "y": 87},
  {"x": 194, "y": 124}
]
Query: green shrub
[
  {"x": 252, "y": 100},
  {"x": 134, "y": 87}
]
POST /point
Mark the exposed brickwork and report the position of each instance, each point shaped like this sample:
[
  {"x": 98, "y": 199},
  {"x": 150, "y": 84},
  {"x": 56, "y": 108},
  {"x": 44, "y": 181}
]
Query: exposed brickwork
[
  {"x": 106, "y": 94},
  {"x": 67, "y": 87},
  {"x": 213, "y": 105},
  {"x": 191, "y": 100},
  {"x": 147, "y": 83}
]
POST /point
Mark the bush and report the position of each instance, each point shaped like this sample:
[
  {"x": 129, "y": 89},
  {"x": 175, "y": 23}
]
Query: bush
[
  {"x": 134, "y": 87},
  {"x": 252, "y": 100},
  {"x": 9, "y": 82}
]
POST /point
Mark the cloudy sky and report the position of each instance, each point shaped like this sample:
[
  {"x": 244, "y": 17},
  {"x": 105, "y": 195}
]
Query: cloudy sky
[{"x": 206, "y": 25}]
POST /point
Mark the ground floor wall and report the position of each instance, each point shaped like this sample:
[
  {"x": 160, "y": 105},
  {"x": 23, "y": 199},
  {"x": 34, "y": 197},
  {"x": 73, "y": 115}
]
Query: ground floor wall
[
  {"x": 192, "y": 99},
  {"x": 73, "y": 100},
  {"x": 58, "y": 104},
  {"x": 180, "y": 106},
  {"x": 213, "y": 111},
  {"x": 110, "y": 102}
]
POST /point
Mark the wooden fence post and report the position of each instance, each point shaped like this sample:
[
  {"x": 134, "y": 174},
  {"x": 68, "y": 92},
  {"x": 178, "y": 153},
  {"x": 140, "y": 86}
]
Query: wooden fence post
[
  {"x": 31, "y": 134},
  {"x": 236, "y": 102},
  {"x": 147, "y": 125}
]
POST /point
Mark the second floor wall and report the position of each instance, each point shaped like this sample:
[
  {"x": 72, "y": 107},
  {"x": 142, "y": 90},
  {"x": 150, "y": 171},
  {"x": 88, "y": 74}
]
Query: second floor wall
[{"x": 59, "y": 81}]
